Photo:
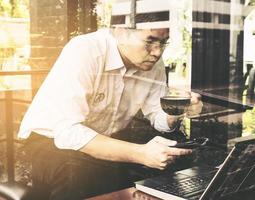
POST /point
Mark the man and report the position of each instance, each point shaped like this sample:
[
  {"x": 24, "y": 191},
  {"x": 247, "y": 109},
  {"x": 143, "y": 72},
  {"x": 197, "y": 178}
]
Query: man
[{"x": 96, "y": 86}]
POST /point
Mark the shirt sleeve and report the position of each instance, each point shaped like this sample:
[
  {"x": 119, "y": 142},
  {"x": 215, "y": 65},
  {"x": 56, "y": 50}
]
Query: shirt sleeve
[
  {"x": 160, "y": 122},
  {"x": 64, "y": 96}
]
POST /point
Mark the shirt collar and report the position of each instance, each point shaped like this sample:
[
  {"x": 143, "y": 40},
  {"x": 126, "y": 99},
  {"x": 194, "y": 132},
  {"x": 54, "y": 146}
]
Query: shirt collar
[{"x": 113, "y": 59}]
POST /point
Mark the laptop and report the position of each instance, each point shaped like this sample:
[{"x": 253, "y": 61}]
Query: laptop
[{"x": 235, "y": 175}]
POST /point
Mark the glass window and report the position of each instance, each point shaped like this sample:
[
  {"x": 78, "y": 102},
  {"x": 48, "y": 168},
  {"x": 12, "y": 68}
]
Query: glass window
[{"x": 210, "y": 51}]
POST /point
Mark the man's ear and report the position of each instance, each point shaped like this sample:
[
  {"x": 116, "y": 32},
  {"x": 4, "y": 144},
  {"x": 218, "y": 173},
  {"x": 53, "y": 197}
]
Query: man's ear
[{"x": 120, "y": 34}]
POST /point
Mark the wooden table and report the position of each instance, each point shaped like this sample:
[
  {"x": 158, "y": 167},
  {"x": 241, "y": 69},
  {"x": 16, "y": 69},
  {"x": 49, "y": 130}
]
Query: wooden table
[{"x": 126, "y": 194}]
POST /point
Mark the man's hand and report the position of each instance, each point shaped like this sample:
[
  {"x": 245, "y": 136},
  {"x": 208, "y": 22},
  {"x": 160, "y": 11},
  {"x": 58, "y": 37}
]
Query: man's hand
[
  {"x": 174, "y": 120},
  {"x": 157, "y": 153},
  {"x": 194, "y": 109},
  {"x": 196, "y": 105}
]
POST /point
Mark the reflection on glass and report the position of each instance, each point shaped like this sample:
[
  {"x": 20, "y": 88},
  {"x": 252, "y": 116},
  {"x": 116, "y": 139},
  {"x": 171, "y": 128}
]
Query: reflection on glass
[{"x": 241, "y": 173}]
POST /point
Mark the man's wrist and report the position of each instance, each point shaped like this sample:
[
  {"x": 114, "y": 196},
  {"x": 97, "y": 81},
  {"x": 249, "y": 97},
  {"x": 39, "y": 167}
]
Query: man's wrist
[{"x": 138, "y": 154}]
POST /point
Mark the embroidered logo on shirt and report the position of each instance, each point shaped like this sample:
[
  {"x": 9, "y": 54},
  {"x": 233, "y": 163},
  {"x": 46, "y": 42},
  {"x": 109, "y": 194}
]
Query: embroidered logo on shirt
[{"x": 99, "y": 97}]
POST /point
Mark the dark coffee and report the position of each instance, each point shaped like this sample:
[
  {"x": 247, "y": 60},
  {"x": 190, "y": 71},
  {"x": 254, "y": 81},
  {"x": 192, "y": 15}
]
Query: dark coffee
[{"x": 174, "y": 105}]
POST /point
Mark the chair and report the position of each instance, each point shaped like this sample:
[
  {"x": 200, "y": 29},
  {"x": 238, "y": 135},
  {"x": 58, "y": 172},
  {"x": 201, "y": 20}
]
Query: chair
[{"x": 17, "y": 191}]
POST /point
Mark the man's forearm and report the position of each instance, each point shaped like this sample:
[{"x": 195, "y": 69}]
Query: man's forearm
[
  {"x": 106, "y": 148},
  {"x": 155, "y": 154}
]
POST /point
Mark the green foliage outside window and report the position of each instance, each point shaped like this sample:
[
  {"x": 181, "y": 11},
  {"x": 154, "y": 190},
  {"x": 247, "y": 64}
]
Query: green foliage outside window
[
  {"x": 14, "y": 8},
  {"x": 103, "y": 10},
  {"x": 252, "y": 2},
  {"x": 249, "y": 122}
]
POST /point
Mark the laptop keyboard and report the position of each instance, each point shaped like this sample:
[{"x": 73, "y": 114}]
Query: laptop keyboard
[{"x": 187, "y": 187}]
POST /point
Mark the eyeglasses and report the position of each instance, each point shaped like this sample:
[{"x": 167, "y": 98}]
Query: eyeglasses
[{"x": 152, "y": 45}]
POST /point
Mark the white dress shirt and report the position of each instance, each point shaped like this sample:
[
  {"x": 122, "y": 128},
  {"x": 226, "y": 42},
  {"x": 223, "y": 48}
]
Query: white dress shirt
[{"x": 89, "y": 91}]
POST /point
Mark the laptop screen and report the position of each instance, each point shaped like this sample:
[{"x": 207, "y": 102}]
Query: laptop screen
[{"x": 237, "y": 173}]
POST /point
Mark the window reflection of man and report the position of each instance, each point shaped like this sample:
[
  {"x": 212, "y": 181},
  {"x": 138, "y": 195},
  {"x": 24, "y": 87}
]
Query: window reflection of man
[{"x": 94, "y": 89}]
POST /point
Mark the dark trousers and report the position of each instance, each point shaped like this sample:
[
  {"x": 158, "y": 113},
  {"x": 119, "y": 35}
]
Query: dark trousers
[{"x": 72, "y": 175}]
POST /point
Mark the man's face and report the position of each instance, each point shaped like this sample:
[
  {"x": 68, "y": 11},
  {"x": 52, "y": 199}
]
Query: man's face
[{"x": 141, "y": 49}]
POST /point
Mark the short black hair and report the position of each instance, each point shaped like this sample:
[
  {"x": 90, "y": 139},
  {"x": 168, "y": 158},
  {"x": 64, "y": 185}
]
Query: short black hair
[{"x": 142, "y": 17}]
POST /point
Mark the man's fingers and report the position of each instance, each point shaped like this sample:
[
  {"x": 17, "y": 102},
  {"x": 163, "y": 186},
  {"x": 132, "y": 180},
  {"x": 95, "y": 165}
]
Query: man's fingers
[
  {"x": 163, "y": 165},
  {"x": 171, "y": 159},
  {"x": 195, "y": 98},
  {"x": 178, "y": 151},
  {"x": 196, "y": 105},
  {"x": 194, "y": 109},
  {"x": 164, "y": 141}
]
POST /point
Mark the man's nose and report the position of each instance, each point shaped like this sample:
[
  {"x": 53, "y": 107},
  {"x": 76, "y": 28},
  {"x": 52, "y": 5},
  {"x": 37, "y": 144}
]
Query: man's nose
[{"x": 156, "y": 51}]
